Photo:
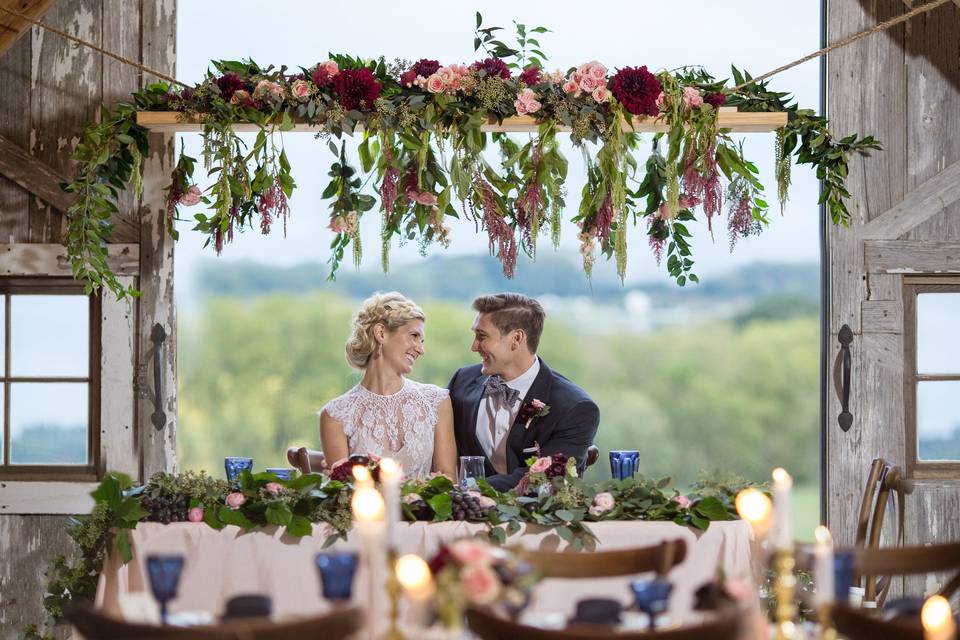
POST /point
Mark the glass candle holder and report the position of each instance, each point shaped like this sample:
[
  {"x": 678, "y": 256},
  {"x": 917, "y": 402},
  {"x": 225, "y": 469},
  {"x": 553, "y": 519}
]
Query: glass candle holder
[
  {"x": 623, "y": 464},
  {"x": 337, "y": 569},
  {"x": 234, "y": 466},
  {"x": 652, "y": 597}
]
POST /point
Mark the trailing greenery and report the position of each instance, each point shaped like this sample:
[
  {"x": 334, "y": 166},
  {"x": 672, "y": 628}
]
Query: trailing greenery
[{"x": 424, "y": 151}]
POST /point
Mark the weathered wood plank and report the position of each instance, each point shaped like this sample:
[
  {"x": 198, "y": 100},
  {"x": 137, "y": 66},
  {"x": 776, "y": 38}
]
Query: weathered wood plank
[
  {"x": 66, "y": 81},
  {"x": 882, "y": 316},
  {"x": 119, "y": 449},
  {"x": 22, "y": 497},
  {"x": 158, "y": 448},
  {"x": 23, "y": 259},
  {"x": 741, "y": 122},
  {"x": 15, "y": 99},
  {"x": 28, "y": 544},
  {"x": 885, "y": 286},
  {"x": 12, "y": 26},
  {"x": 932, "y": 518},
  {"x": 922, "y": 203},
  {"x": 33, "y": 175},
  {"x": 933, "y": 105},
  {"x": 912, "y": 256}
]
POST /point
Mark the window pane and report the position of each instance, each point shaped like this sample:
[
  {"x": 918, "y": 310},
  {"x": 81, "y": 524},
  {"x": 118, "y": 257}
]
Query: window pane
[
  {"x": 48, "y": 423},
  {"x": 49, "y": 335},
  {"x": 938, "y": 350},
  {"x": 938, "y": 420}
]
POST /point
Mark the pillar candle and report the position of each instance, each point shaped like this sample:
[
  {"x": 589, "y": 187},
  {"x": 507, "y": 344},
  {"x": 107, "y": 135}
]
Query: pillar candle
[
  {"x": 782, "y": 539},
  {"x": 823, "y": 567}
]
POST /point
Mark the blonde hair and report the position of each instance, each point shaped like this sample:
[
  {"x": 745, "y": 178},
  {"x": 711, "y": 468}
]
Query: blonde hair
[{"x": 392, "y": 310}]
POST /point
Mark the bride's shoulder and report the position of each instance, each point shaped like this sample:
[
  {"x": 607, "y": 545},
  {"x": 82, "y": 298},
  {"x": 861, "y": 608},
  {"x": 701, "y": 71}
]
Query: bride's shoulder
[
  {"x": 428, "y": 390},
  {"x": 338, "y": 407}
]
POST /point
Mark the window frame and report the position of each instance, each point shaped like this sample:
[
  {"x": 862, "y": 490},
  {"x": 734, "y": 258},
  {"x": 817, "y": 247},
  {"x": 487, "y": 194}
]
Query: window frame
[
  {"x": 90, "y": 472},
  {"x": 912, "y": 287}
]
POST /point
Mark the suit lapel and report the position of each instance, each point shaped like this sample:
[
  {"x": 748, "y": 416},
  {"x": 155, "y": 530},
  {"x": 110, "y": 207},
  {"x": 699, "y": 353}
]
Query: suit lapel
[
  {"x": 540, "y": 390},
  {"x": 471, "y": 405}
]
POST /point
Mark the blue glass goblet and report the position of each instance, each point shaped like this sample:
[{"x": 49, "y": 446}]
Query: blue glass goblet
[
  {"x": 282, "y": 473},
  {"x": 164, "y": 572},
  {"x": 652, "y": 597},
  {"x": 843, "y": 562},
  {"x": 234, "y": 466},
  {"x": 337, "y": 569},
  {"x": 623, "y": 464}
]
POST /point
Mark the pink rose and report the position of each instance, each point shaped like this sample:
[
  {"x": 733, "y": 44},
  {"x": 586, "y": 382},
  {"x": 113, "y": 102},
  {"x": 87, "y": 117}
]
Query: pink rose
[
  {"x": 683, "y": 501},
  {"x": 538, "y": 405},
  {"x": 597, "y": 70},
  {"x": 589, "y": 83},
  {"x": 242, "y": 98},
  {"x": 191, "y": 197},
  {"x": 338, "y": 224},
  {"x": 236, "y": 500},
  {"x": 447, "y": 75},
  {"x": 692, "y": 97},
  {"x": 330, "y": 67},
  {"x": 571, "y": 86},
  {"x": 541, "y": 465},
  {"x": 266, "y": 89},
  {"x": 601, "y": 94},
  {"x": 300, "y": 89},
  {"x": 602, "y": 502},
  {"x": 480, "y": 584},
  {"x": 435, "y": 83},
  {"x": 526, "y": 102},
  {"x": 195, "y": 515},
  {"x": 470, "y": 552},
  {"x": 274, "y": 488},
  {"x": 487, "y": 502}
]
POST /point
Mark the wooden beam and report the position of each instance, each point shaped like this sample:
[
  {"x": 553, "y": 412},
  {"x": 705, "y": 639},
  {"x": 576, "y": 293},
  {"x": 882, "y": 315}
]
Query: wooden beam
[
  {"x": 729, "y": 118},
  {"x": 12, "y": 27},
  {"x": 33, "y": 175},
  {"x": 911, "y": 256},
  {"x": 32, "y": 259},
  {"x": 924, "y": 202}
]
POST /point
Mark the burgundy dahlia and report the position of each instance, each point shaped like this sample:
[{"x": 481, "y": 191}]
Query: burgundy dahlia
[
  {"x": 492, "y": 67},
  {"x": 425, "y": 68},
  {"x": 530, "y": 76},
  {"x": 356, "y": 89},
  {"x": 441, "y": 560},
  {"x": 716, "y": 99},
  {"x": 342, "y": 472},
  {"x": 229, "y": 83},
  {"x": 637, "y": 90},
  {"x": 321, "y": 76},
  {"x": 558, "y": 468},
  {"x": 407, "y": 77}
]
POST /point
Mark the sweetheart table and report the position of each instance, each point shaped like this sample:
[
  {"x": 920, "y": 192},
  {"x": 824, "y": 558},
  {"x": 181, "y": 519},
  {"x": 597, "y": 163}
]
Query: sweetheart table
[{"x": 228, "y": 562}]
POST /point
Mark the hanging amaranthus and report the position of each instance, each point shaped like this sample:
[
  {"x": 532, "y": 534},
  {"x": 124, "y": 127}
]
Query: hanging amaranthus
[
  {"x": 501, "y": 239},
  {"x": 781, "y": 167}
]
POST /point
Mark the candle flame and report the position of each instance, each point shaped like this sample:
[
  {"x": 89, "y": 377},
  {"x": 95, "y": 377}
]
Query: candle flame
[
  {"x": 822, "y": 535},
  {"x": 390, "y": 469},
  {"x": 360, "y": 473},
  {"x": 412, "y": 572},
  {"x": 367, "y": 504},
  {"x": 753, "y": 505},
  {"x": 781, "y": 477},
  {"x": 936, "y": 613}
]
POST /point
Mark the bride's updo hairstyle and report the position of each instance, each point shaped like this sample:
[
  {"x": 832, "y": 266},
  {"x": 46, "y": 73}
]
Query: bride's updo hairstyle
[{"x": 392, "y": 310}]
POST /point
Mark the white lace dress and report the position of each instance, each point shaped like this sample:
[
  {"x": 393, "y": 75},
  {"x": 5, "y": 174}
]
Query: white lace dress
[{"x": 398, "y": 426}]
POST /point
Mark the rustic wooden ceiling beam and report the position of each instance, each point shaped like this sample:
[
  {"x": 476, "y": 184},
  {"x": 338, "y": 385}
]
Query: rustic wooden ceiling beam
[
  {"x": 35, "y": 176},
  {"x": 924, "y": 202},
  {"x": 11, "y": 26}
]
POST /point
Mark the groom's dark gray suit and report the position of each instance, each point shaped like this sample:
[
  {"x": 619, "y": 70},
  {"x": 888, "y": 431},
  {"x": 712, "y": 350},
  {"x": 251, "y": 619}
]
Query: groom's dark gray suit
[{"x": 568, "y": 428}]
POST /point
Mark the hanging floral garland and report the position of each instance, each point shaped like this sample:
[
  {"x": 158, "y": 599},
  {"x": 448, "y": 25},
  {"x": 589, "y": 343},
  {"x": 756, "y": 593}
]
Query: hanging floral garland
[{"x": 422, "y": 145}]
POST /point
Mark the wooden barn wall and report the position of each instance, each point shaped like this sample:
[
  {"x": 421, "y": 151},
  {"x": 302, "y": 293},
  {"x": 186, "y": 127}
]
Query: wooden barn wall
[
  {"x": 48, "y": 89},
  {"x": 903, "y": 86}
]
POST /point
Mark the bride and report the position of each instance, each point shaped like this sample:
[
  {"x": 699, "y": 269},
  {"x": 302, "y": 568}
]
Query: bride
[{"x": 388, "y": 414}]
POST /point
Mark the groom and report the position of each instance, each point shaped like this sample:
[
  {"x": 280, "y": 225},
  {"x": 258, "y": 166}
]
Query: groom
[{"x": 512, "y": 405}]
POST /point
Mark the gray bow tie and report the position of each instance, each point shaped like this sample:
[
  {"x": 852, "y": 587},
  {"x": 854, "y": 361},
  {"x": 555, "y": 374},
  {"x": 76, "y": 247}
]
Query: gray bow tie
[{"x": 496, "y": 387}]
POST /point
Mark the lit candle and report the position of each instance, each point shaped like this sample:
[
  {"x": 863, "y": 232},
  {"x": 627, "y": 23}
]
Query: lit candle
[
  {"x": 361, "y": 476},
  {"x": 937, "y": 619},
  {"x": 782, "y": 538},
  {"x": 390, "y": 475},
  {"x": 755, "y": 507},
  {"x": 414, "y": 576},
  {"x": 823, "y": 567},
  {"x": 368, "y": 512}
]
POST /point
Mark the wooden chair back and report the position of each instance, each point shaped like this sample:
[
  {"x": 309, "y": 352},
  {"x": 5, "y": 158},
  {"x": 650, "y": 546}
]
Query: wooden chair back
[
  {"x": 911, "y": 561},
  {"x": 658, "y": 558},
  {"x": 306, "y": 460},
  {"x": 884, "y": 482},
  {"x": 859, "y": 624},
  {"x": 488, "y": 626}
]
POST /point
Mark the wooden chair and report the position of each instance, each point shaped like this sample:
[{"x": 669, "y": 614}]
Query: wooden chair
[
  {"x": 96, "y": 625},
  {"x": 658, "y": 558},
  {"x": 858, "y": 624},
  {"x": 488, "y": 626},
  {"x": 311, "y": 461},
  {"x": 907, "y": 561},
  {"x": 883, "y": 480}
]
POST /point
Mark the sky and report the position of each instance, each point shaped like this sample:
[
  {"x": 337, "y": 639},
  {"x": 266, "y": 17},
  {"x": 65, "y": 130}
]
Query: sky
[{"x": 754, "y": 34}]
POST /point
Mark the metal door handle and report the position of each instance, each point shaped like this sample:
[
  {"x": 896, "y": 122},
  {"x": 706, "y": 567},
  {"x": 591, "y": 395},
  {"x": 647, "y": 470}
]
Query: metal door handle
[
  {"x": 157, "y": 336},
  {"x": 842, "y": 375}
]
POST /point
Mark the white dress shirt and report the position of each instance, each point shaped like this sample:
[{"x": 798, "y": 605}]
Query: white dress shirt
[{"x": 494, "y": 419}]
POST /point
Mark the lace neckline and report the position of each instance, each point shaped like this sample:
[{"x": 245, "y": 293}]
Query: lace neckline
[{"x": 403, "y": 387}]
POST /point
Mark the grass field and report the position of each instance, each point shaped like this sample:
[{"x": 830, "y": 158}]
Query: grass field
[{"x": 806, "y": 511}]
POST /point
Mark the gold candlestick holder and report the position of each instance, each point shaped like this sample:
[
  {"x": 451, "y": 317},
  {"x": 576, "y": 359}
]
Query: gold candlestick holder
[
  {"x": 784, "y": 589},
  {"x": 394, "y": 591},
  {"x": 827, "y": 632}
]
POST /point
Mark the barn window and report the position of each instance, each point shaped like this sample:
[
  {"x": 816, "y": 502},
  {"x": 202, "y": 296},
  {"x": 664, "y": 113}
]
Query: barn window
[
  {"x": 51, "y": 356},
  {"x": 932, "y": 375}
]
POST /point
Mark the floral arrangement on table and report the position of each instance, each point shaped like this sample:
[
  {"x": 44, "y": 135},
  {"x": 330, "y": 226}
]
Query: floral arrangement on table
[
  {"x": 551, "y": 495},
  {"x": 423, "y": 149},
  {"x": 472, "y": 572}
]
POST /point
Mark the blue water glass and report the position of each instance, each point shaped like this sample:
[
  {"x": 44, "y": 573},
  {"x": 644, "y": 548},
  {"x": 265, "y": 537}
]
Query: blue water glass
[
  {"x": 164, "y": 572},
  {"x": 652, "y": 597},
  {"x": 623, "y": 464},
  {"x": 282, "y": 473},
  {"x": 843, "y": 566},
  {"x": 234, "y": 466},
  {"x": 337, "y": 569}
]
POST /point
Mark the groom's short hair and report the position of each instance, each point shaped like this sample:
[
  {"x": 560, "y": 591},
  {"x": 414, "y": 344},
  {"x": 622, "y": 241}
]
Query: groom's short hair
[{"x": 511, "y": 311}]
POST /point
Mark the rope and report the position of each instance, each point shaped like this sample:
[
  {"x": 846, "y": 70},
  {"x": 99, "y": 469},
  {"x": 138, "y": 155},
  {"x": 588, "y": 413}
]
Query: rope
[
  {"x": 128, "y": 61},
  {"x": 848, "y": 40}
]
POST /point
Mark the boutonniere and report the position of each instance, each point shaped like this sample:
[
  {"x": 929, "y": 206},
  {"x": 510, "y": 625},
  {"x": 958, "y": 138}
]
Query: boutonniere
[{"x": 533, "y": 409}]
